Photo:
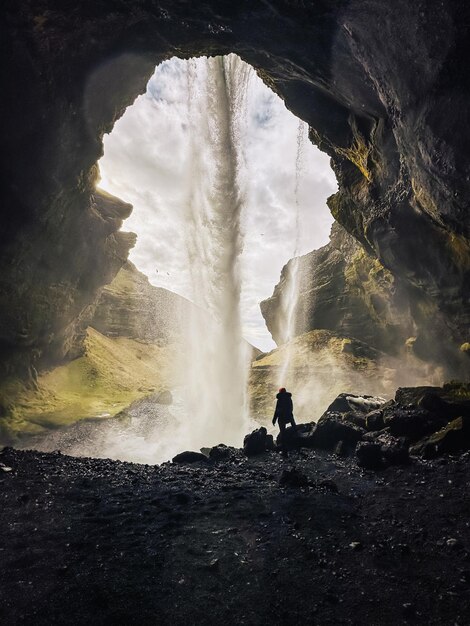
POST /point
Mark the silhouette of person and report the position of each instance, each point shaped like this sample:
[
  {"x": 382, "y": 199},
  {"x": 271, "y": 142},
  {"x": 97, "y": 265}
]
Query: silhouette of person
[{"x": 284, "y": 414}]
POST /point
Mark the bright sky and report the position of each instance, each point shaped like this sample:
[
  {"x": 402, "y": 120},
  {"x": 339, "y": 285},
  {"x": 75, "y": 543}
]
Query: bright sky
[{"x": 143, "y": 163}]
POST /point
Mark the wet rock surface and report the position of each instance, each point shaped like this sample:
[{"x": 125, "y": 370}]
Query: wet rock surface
[
  {"x": 389, "y": 434},
  {"x": 310, "y": 539}
]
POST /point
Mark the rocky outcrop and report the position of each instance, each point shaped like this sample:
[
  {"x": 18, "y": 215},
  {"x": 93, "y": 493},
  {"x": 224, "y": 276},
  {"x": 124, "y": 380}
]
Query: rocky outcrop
[
  {"x": 131, "y": 307},
  {"x": 343, "y": 289},
  {"x": 409, "y": 429},
  {"x": 383, "y": 86}
]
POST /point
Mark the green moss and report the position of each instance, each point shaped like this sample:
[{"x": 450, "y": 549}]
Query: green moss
[
  {"x": 112, "y": 374},
  {"x": 457, "y": 389}
]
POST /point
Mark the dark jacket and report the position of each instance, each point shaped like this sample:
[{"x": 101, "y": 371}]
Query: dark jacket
[{"x": 284, "y": 407}]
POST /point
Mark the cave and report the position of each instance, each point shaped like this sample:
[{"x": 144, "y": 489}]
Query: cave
[
  {"x": 69, "y": 76},
  {"x": 385, "y": 92}
]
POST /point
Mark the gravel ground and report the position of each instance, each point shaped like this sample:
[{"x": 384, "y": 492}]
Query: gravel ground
[{"x": 95, "y": 541}]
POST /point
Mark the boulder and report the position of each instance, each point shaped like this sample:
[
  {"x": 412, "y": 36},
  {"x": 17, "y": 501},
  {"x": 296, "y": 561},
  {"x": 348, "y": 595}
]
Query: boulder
[
  {"x": 412, "y": 422},
  {"x": 221, "y": 452},
  {"x": 412, "y": 395},
  {"x": 333, "y": 428},
  {"x": 347, "y": 402},
  {"x": 369, "y": 455},
  {"x": 358, "y": 419},
  {"x": 453, "y": 438},
  {"x": 374, "y": 420},
  {"x": 190, "y": 457},
  {"x": 447, "y": 409},
  {"x": 164, "y": 397},
  {"x": 300, "y": 437},
  {"x": 257, "y": 442},
  {"x": 395, "y": 450}
]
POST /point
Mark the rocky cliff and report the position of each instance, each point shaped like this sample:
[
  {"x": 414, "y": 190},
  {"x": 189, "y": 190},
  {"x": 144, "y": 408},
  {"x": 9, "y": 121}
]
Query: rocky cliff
[
  {"x": 131, "y": 307},
  {"x": 384, "y": 88},
  {"x": 343, "y": 289}
]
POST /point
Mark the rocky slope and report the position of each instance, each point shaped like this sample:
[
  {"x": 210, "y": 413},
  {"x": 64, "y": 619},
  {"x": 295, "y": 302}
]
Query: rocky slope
[
  {"x": 111, "y": 373},
  {"x": 129, "y": 344},
  {"x": 383, "y": 87},
  {"x": 131, "y": 307}
]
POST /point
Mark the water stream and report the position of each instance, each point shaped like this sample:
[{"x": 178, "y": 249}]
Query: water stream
[
  {"x": 216, "y": 359},
  {"x": 290, "y": 293}
]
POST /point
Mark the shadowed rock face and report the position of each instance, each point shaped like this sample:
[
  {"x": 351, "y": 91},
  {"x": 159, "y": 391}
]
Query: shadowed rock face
[
  {"x": 343, "y": 289},
  {"x": 384, "y": 87}
]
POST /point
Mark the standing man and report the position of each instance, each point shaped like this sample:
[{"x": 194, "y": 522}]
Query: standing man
[{"x": 284, "y": 414}]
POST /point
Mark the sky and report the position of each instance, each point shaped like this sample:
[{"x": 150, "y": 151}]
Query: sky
[{"x": 144, "y": 163}]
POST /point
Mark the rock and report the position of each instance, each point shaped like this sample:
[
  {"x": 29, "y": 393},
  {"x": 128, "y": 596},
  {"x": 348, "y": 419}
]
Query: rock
[
  {"x": 453, "y": 438},
  {"x": 395, "y": 451},
  {"x": 412, "y": 422},
  {"x": 369, "y": 456},
  {"x": 342, "y": 301},
  {"x": 257, "y": 442},
  {"x": 448, "y": 410},
  {"x": 411, "y": 395},
  {"x": 355, "y": 545},
  {"x": 5, "y": 468},
  {"x": 358, "y": 419},
  {"x": 182, "y": 497},
  {"x": 130, "y": 306},
  {"x": 347, "y": 402},
  {"x": 213, "y": 565},
  {"x": 164, "y": 397},
  {"x": 408, "y": 609},
  {"x": 374, "y": 420},
  {"x": 189, "y": 457},
  {"x": 293, "y": 478},
  {"x": 221, "y": 452},
  {"x": 299, "y": 437},
  {"x": 331, "y": 429}
]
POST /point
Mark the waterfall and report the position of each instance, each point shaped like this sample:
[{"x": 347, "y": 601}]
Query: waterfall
[
  {"x": 216, "y": 357},
  {"x": 290, "y": 290}
]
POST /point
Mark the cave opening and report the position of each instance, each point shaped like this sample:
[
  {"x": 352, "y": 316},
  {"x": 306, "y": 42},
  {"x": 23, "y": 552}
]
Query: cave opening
[{"x": 258, "y": 201}]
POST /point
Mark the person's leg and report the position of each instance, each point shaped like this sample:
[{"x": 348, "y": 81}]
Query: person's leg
[{"x": 282, "y": 430}]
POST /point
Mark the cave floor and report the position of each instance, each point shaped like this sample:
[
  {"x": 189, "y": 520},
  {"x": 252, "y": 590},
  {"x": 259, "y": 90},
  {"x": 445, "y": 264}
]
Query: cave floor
[{"x": 89, "y": 541}]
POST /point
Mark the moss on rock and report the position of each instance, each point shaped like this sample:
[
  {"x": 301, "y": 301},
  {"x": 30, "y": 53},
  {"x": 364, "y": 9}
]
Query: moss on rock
[{"x": 111, "y": 374}]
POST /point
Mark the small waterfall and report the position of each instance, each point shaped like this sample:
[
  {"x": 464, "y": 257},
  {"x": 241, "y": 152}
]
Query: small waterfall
[
  {"x": 216, "y": 359},
  {"x": 290, "y": 292}
]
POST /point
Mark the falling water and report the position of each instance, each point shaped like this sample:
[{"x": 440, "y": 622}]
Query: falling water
[
  {"x": 216, "y": 366},
  {"x": 290, "y": 292}
]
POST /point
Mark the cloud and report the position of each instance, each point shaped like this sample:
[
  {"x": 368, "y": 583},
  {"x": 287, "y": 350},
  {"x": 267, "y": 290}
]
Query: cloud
[{"x": 145, "y": 162}]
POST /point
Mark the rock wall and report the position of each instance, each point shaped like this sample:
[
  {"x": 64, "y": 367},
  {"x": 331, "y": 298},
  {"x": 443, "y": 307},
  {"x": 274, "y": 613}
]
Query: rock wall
[
  {"x": 343, "y": 289},
  {"x": 384, "y": 87}
]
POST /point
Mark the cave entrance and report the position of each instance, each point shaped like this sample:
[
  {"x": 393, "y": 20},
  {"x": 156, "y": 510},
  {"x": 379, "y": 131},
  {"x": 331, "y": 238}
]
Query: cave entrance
[
  {"x": 226, "y": 188},
  {"x": 285, "y": 182}
]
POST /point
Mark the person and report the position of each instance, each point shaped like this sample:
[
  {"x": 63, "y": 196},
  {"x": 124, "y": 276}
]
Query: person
[{"x": 284, "y": 414}]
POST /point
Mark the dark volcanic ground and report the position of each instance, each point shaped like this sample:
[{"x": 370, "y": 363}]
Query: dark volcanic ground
[{"x": 88, "y": 541}]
